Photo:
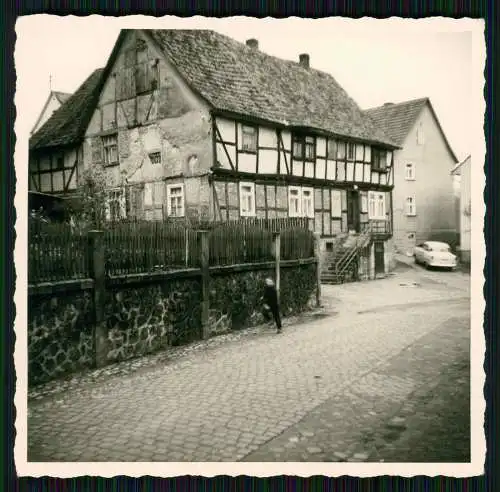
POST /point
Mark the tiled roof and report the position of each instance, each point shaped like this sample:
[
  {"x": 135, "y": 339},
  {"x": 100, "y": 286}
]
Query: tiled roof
[
  {"x": 397, "y": 119},
  {"x": 235, "y": 78},
  {"x": 62, "y": 97},
  {"x": 68, "y": 123}
]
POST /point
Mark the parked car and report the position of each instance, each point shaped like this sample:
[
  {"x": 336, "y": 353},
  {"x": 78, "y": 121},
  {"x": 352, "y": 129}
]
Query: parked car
[{"x": 435, "y": 254}]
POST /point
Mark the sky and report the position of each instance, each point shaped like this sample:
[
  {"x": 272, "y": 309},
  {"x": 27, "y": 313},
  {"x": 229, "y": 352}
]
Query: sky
[{"x": 375, "y": 61}]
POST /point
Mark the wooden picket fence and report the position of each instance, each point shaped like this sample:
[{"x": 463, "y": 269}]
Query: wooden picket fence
[
  {"x": 56, "y": 252},
  {"x": 59, "y": 253}
]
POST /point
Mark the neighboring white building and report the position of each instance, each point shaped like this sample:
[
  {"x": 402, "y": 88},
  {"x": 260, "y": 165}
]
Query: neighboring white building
[
  {"x": 54, "y": 102},
  {"x": 463, "y": 170},
  {"x": 424, "y": 203}
]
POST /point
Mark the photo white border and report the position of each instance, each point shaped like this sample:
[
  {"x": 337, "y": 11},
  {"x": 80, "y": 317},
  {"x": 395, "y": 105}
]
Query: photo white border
[{"x": 26, "y": 66}]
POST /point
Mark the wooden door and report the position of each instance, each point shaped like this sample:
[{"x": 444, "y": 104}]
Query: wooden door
[
  {"x": 379, "y": 257},
  {"x": 353, "y": 220}
]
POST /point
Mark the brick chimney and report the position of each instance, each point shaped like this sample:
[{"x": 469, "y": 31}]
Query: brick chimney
[
  {"x": 304, "y": 60},
  {"x": 253, "y": 43}
]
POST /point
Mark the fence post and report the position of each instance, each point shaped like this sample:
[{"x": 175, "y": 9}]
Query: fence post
[
  {"x": 317, "y": 254},
  {"x": 205, "y": 281},
  {"x": 97, "y": 272},
  {"x": 277, "y": 259}
]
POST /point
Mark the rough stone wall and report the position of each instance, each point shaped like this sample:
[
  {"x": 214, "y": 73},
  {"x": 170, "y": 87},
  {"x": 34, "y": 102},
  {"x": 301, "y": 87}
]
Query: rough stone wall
[
  {"x": 235, "y": 297},
  {"x": 148, "y": 318},
  {"x": 60, "y": 334}
]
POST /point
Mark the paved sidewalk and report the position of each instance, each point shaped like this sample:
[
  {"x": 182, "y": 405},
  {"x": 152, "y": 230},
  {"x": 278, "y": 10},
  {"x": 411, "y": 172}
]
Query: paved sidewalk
[{"x": 226, "y": 402}]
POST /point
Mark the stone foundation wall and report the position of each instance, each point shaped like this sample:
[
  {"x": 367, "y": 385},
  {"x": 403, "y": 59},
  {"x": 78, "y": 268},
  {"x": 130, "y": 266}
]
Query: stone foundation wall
[
  {"x": 235, "y": 297},
  {"x": 148, "y": 313},
  {"x": 60, "y": 334},
  {"x": 142, "y": 319}
]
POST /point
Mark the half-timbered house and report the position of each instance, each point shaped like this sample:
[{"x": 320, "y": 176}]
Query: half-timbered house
[
  {"x": 55, "y": 150},
  {"x": 192, "y": 123},
  {"x": 55, "y": 100}
]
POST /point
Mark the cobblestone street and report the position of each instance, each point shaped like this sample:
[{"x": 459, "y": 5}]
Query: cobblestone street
[{"x": 384, "y": 376}]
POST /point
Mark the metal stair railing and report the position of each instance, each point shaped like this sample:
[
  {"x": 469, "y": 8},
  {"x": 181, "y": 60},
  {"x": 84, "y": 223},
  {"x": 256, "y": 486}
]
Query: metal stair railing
[{"x": 349, "y": 256}]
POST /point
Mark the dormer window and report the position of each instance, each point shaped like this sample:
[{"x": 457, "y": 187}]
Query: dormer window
[
  {"x": 248, "y": 138},
  {"x": 304, "y": 148}
]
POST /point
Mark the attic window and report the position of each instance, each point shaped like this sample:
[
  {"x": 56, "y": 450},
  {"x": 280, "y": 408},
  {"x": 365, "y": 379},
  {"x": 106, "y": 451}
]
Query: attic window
[
  {"x": 248, "y": 138},
  {"x": 155, "y": 157}
]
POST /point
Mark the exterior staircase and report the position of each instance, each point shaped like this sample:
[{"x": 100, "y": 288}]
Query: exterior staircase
[{"x": 342, "y": 264}]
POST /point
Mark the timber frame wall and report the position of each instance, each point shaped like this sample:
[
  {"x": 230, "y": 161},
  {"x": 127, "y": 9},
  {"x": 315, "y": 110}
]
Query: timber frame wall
[{"x": 272, "y": 168}]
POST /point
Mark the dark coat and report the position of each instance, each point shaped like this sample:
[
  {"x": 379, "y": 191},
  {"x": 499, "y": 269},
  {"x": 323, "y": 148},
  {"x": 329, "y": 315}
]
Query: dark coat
[{"x": 270, "y": 296}]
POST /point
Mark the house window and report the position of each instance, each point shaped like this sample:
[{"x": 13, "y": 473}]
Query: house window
[
  {"x": 60, "y": 163},
  {"x": 310, "y": 149},
  {"x": 332, "y": 148},
  {"x": 300, "y": 202},
  {"x": 294, "y": 202},
  {"x": 351, "y": 151},
  {"x": 341, "y": 150},
  {"x": 410, "y": 171},
  {"x": 420, "y": 135},
  {"x": 336, "y": 203},
  {"x": 115, "y": 207},
  {"x": 379, "y": 160},
  {"x": 248, "y": 138},
  {"x": 308, "y": 202},
  {"x": 247, "y": 199},
  {"x": 411, "y": 206},
  {"x": 175, "y": 200},
  {"x": 110, "y": 144},
  {"x": 155, "y": 157},
  {"x": 376, "y": 205},
  {"x": 304, "y": 148}
]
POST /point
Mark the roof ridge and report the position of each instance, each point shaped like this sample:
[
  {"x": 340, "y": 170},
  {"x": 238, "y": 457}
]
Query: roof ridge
[{"x": 401, "y": 103}]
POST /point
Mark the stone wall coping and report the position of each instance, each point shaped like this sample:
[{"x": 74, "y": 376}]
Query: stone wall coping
[
  {"x": 117, "y": 281},
  {"x": 45, "y": 288}
]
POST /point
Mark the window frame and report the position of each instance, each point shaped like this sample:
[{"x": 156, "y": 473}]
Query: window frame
[
  {"x": 299, "y": 201},
  {"x": 106, "y": 146},
  {"x": 410, "y": 207},
  {"x": 373, "y": 199},
  {"x": 310, "y": 198},
  {"x": 305, "y": 141},
  {"x": 245, "y": 132},
  {"x": 350, "y": 146},
  {"x": 152, "y": 155},
  {"x": 410, "y": 176},
  {"x": 115, "y": 196},
  {"x": 241, "y": 185},
  {"x": 379, "y": 155},
  {"x": 169, "y": 189}
]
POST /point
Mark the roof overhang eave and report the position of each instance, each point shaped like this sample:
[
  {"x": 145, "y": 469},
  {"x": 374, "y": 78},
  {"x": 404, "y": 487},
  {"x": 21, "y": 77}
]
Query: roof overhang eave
[{"x": 299, "y": 128}]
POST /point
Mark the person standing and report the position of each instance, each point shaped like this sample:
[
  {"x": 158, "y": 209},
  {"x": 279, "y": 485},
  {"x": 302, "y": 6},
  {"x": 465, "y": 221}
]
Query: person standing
[{"x": 271, "y": 303}]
